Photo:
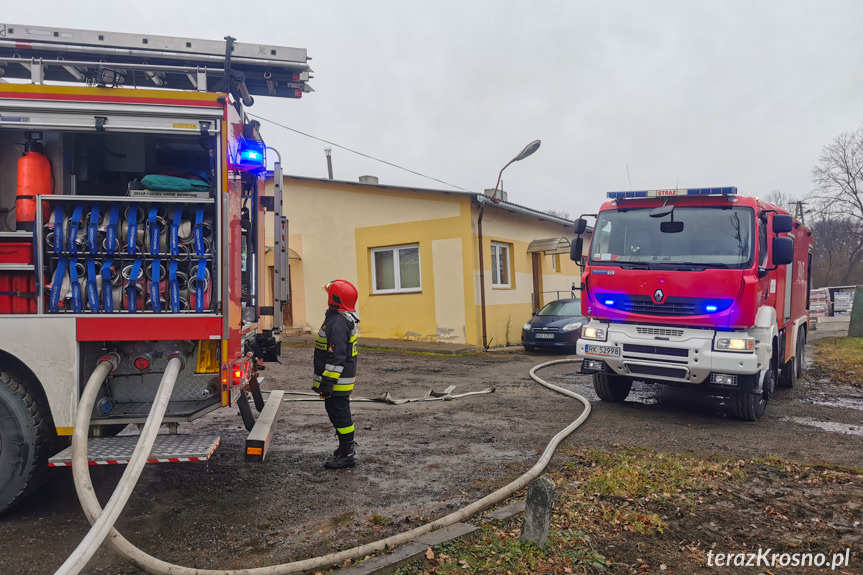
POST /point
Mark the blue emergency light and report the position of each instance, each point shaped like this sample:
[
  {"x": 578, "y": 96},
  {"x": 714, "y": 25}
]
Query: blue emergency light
[
  {"x": 727, "y": 191},
  {"x": 251, "y": 155}
]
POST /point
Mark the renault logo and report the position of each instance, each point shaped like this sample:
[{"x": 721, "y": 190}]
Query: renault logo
[{"x": 658, "y": 296}]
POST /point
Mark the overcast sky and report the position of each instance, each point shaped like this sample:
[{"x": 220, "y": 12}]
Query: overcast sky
[{"x": 623, "y": 94}]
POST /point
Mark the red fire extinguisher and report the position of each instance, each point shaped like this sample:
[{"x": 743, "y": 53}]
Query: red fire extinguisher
[{"x": 34, "y": 178}]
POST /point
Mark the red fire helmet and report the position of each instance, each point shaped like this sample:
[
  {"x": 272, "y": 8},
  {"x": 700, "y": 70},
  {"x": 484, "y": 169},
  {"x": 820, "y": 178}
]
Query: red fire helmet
[{"x": 342, "y": 295}]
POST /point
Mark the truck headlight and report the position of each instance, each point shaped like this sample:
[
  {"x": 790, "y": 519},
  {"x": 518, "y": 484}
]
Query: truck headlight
[
  {"x": 571, "y": 326},
  {"x": 743, "y": 344},
  {"x": 526, "y": 327},
  {"x": 595, "y": 333}
]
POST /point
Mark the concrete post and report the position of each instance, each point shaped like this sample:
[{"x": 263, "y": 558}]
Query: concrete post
[
  {"x": 537, "y": 511},
  {"x": 856, "y": 327}
]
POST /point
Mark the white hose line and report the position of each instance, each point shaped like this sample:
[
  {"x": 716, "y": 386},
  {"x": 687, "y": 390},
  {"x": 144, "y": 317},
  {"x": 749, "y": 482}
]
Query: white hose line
[
  {"x": 156, "y": 566},
  {"x": 105, "y": 522}
]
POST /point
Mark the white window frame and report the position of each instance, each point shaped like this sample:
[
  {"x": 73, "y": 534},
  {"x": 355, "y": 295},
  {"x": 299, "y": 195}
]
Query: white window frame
[
  {"x": 505, "y": 248},
  {"x": 396, "y": 270}
]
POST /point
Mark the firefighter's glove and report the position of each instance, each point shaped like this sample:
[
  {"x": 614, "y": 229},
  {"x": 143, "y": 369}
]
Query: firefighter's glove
[{"x": 325, "y": 389}]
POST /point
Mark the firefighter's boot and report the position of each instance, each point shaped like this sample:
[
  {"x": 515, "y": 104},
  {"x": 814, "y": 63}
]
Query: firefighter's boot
[{"x": 343, "y": 457}]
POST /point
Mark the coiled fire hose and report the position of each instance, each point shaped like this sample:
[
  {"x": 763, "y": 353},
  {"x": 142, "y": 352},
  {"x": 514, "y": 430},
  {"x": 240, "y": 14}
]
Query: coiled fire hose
[{"x": 150, "y": 564}]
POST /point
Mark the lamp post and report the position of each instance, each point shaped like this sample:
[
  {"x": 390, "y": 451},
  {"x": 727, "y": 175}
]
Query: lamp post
[{"x": 528, "y": 150}]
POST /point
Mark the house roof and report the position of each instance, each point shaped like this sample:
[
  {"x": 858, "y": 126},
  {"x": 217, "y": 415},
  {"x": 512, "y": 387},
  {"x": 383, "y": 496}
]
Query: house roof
[{"x": 481, "y": 199}]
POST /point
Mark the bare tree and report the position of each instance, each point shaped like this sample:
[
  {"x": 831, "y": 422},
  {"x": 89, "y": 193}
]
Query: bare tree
[
  {"x": 837, "y": 253},
  {"x": 838, "y": 177},
  {"x": 784, "y": 200},
  {"x": 558, "y": 214}
]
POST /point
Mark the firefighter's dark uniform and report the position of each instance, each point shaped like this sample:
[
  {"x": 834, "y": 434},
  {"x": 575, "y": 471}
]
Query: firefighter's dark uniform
[{"x": 335, "y": 370}]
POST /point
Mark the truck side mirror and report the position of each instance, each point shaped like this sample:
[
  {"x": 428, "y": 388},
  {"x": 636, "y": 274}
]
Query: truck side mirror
[
  {"x": 575, "y": 249},
  {"x": 782, "y": 224},
  {"x": 783, "y": 251},
  {"x": 580, "y": 226}
]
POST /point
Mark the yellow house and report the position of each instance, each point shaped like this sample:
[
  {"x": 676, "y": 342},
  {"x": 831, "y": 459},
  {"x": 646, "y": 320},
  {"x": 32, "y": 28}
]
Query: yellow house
[{"x": 414, "y": 255}]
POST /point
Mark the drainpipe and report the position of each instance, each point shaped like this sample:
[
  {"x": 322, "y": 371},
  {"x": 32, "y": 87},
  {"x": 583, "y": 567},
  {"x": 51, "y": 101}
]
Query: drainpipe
[{"x": 481, "y": 273}]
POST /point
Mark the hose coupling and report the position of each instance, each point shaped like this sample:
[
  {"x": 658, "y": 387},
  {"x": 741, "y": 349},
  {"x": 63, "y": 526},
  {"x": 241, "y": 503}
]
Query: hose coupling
[
  {"x": 113, "y": 358},
  {"x": 181, "y": 356}
]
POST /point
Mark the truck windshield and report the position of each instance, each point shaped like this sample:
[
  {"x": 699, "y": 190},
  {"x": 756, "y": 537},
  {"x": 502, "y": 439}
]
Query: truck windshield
[{"x": 710, "y": 237}]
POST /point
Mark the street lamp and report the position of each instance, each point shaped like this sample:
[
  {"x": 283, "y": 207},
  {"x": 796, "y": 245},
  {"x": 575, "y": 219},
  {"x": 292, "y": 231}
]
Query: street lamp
[{"x": 528, "y": 150}]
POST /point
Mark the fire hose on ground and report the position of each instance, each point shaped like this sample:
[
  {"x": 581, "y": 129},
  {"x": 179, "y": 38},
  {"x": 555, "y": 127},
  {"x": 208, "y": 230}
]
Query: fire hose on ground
[{"x": 103, "y": 521}]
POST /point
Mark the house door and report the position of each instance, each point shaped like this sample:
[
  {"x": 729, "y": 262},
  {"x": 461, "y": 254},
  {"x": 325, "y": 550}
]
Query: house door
[{"x": 536, "y": 260}]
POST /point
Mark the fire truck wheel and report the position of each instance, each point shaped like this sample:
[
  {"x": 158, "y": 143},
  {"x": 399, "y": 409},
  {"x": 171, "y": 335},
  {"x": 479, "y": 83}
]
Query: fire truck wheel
[
  {"x": 751, "y": 406},
  {"x": 801, "y": 351},
  {"x": 794, "y": 367},
  {"x": 611, "y": 387},
  {"x": 24, "y": 440},
  {"x": 788, "y": 374}
]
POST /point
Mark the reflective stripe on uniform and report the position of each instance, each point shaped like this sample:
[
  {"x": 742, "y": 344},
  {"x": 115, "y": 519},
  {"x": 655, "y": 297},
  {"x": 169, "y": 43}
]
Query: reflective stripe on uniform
[
  {"x": 344, "y": 430},
  {"x": 331, "y": 367},
  {"x": 343, "y": 387},
  {"x": 321, "y": 342},
  {"x": 332, "y": 374}
]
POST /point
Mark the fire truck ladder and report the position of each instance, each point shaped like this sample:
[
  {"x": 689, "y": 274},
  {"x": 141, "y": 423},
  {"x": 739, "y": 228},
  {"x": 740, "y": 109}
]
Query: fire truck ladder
[{"x": 112, "y": 59}]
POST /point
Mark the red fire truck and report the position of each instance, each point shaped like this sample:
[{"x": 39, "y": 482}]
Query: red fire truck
[
  {"x": 131, "y": 196},
  {"x": 700, "y": 288}
]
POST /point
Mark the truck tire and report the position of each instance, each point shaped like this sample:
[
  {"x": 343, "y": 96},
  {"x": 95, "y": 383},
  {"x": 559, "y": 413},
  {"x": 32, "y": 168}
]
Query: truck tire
[
  {"x": 751, "y": 406},
  {"x": 24, "y": 440},
  {"x": 611, "y": 387},
  {"x": 793, "y": 367},
  {"x": 801, "y": 351}
]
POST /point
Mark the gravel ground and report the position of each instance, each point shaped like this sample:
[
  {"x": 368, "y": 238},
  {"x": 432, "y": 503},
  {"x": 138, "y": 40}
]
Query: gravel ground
[{"x": 416, "y": 461}]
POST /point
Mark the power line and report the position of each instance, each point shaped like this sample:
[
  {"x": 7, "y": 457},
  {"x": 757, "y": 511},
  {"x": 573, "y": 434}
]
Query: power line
[{"x": 358, "y": 153}]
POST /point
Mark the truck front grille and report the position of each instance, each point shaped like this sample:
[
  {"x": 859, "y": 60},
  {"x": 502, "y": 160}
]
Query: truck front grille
[
  {"x": 657, "y": 370},
  {"x": 670, "y": 306},
  {"x": 655, "y": 350}
]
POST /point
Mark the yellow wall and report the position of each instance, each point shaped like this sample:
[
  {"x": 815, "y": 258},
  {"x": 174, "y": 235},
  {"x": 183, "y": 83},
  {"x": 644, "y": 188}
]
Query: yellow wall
[
  {"x": 508, "y": 308},
  {"x": 334, "y": 225}
]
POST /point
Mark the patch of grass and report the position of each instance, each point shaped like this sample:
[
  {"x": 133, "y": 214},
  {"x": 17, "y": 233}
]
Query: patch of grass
[
  {"x": 500, "y": 550},
  {"x": 342, "y": 520},
  {"x": 604, "y": 498},
  {"x": 841, "y": 359},
  {"x": 379, "y": 520}
]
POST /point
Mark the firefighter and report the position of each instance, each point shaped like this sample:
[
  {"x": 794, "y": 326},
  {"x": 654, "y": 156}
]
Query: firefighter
[{"x": 336, "y": 367}]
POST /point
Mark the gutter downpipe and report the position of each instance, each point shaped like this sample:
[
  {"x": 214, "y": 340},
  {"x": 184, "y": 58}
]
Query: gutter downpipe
[{"x": 481, "y": 273}]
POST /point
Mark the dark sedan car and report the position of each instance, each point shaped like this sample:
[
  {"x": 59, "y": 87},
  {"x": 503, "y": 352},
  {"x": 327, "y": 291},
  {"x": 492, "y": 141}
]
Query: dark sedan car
[{"x": 556, "y": 326}]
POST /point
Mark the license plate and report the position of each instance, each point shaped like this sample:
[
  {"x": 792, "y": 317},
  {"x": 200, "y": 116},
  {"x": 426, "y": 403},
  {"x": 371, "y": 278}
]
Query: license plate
[
  {"x": 605, "y": 350},
  {"x": 543, "y": 335}
]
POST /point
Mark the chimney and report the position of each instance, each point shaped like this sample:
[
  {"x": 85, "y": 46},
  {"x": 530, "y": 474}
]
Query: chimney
[
  {"x": 328, "y": 153},
  {"x": 368, "y": 179},
  {"x": 501, "y": 195}
]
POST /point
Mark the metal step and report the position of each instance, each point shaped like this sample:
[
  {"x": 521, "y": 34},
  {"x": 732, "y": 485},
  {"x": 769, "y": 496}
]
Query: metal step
[
  {"x": 258, "y": 441},
  {"x": 118, "y": 450}
]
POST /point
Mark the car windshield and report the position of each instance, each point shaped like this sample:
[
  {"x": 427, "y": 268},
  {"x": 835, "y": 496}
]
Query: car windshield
[
  {"x": 720, "y": 237},
  {"x": 571, "y": 307}
]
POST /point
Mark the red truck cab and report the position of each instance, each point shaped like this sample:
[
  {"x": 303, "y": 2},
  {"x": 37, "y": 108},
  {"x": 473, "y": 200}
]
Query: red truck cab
[{"x": 695, "y": 287}]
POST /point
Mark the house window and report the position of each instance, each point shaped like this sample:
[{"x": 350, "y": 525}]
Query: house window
[
  {"x": 555, "y": 262},
  {"x": 500, "y": 274},
  {"x": 396, "y": 269}
]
